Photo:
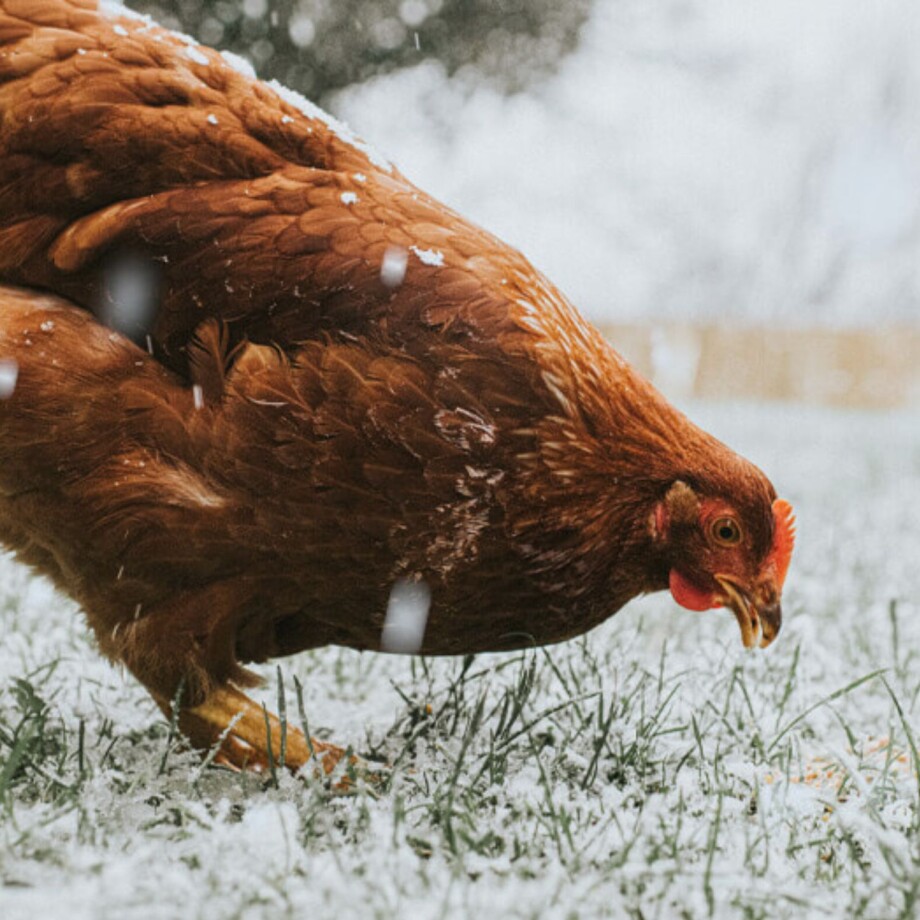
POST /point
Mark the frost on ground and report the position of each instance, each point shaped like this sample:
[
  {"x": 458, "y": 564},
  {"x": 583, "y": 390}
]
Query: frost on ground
[{"x": 649, "y": 769}]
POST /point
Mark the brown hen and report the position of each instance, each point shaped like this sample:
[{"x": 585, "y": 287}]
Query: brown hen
[{"x": 327, "y": 385}]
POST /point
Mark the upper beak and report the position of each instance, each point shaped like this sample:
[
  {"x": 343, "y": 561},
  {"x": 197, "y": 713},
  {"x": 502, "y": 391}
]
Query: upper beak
[{"x": 760, "y": 617}]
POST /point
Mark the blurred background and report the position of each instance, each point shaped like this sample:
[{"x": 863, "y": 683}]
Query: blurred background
[{"x": 729, "y": 188}]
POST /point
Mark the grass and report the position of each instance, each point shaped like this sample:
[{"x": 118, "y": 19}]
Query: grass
[{"x": 649, "y": 769}]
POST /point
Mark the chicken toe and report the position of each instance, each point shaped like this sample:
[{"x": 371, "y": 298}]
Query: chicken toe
[{"x": 251, "y": 738}]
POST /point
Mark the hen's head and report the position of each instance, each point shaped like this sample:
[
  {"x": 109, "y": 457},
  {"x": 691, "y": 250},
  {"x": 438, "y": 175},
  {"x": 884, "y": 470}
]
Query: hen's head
[{"x": 723, "y": 550}]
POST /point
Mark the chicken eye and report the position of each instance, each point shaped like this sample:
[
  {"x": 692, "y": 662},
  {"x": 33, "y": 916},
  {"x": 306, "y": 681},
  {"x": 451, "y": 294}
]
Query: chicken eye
[{"x": 725, "y": 530}]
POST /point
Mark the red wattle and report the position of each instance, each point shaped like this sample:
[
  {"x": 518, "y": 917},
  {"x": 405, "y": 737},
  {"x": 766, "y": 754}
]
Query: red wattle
[{"x": 689, "y": 595}]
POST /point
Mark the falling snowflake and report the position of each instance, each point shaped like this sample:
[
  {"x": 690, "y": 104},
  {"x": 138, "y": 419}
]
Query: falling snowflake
[
  {"x": 393, "y": 267},
  {"x": 407, "y": 616},
  {"x": 131, "y": 285},
  {"x": 9, "y": 374}
]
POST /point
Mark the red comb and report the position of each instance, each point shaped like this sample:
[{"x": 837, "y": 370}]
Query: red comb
[{"x": 783, "y": 539}]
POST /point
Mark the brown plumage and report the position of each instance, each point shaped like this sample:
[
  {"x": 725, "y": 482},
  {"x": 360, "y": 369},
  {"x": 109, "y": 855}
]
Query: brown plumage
[{"x": 341, "y": 385}]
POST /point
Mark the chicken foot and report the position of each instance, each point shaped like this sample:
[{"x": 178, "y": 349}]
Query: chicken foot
[
  {"x": 249, "y": 737},
  {"x": 183, "y": 652}
]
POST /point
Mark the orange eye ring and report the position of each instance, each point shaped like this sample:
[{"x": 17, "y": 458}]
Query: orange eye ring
[{"x": 725, "y": 531}]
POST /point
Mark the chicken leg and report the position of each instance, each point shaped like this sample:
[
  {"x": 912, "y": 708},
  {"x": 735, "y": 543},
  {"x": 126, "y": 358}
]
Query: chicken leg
[
  {"x": 146, "y": 575},
  {"x": 183, "y": 653},
  {"x": 250, "y": 737}
]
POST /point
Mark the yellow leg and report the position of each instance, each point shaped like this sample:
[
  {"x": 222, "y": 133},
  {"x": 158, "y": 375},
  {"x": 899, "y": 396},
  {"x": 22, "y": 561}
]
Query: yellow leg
[{"x": 232, "y": 720}]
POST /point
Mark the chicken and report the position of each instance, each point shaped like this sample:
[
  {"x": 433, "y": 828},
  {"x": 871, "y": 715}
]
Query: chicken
[{"x": 261, "y": 379}]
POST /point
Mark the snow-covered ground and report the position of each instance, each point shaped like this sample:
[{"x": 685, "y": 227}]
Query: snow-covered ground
[
  {"x": 651, "y": 769},
  {"x": 721, "y": 159},
  {"x": 727, "y": 159}
]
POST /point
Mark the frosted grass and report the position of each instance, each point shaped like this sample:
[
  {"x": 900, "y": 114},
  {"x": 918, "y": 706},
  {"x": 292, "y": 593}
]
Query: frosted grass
[{"x": 652, "y": 768}]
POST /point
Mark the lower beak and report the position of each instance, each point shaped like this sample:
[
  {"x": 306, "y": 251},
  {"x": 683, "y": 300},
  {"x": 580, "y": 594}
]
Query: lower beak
[{"x": 760, "y": 623}]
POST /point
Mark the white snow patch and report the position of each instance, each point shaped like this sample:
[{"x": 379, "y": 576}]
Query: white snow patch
[
  {"x": 340, "y": 129},
  {"x": 194, "y": 54},
  {"x": 212, "y": 119},
  {"x": 429, "y": 256},
  {"x": 111, "y": 9},
  {"x": 348, "y": 198},
  {"x": 273, "y": 829},
  {"x": 239, "y": 64},
  {"x": 119, "y": 29}
]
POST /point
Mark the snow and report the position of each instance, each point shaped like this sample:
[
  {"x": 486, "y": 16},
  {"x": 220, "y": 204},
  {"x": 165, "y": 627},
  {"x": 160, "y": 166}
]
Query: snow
[
  {"x": 736, "y": 161},
  {"x": 212, "y": 119},
  {"x": 729, "y": 784},
  {"x": 239, "y": 64},
  {"x": 196, "y": 56},
  {"x": 339, "y": 128},
  {"x": 348, "y": 198},
  {"x": 406, "y": 617},
  {"x": 393, "y": 267},
  {"x": 302, "y": 31},
  {"x": 130, "y": 294},
  {"x": 9, "y": 374},
  {"x": 429, "y": 256},
  {"x": 112, "y": 9},
  {"x": 730, "y": 160}
]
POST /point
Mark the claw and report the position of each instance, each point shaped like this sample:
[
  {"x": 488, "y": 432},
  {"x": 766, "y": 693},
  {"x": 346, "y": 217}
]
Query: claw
[{"x": 236, "y": 725}]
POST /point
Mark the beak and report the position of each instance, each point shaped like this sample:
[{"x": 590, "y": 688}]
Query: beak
[{"x": 760, "y": 618}]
